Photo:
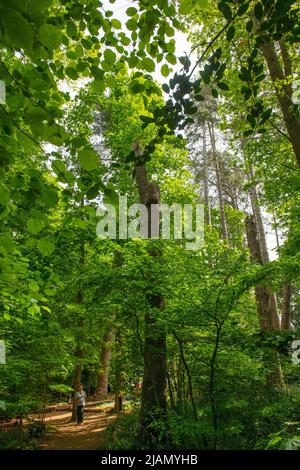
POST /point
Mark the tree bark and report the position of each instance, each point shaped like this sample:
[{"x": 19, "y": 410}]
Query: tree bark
[
  {"x": 219, "y": 182},
  {"x": 284, "y": 96},
  {"x": 264, "y": 258},
  {"x": 76, "y": 382},
  {"x": 103, "y": 376},
  {"x": 79, "y": 351},
  {"x": 268, "y": 321},
  {"x": 286, "y": 305},
  {"x": 265, "y": 307},
  {"x": 118, "y": 372},
  {"x": 205, "y": 179},
  {"x": 153, "y": 402}
]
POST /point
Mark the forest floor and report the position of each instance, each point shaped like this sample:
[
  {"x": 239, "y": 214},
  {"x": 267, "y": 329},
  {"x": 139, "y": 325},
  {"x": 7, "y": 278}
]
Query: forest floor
[{"x": 61, "y": 434}]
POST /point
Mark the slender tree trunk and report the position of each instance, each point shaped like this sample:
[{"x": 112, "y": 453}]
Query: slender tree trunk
[
  {"x": 284, "y": 95},
  {"x": 118, "y": 372},
  {"x": 103, "y": 376},
  {"x": 285, "y": 322},
  {"x": 153, "y": 404},
  {"x": 171, "y": 394},
  {"x": 219, "y": 182},
  {"x": 205, "y": 179},
  {"x": 276, "y": 232},
  {"x": 89, "y": 385},
  {"x": 189, "y": 376},
  {"x": 260, "y": 225}
]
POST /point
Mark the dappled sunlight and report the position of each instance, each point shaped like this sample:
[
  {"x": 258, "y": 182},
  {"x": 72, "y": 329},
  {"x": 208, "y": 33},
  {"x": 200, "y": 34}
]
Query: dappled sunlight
[{"x": 64, "y": 434}]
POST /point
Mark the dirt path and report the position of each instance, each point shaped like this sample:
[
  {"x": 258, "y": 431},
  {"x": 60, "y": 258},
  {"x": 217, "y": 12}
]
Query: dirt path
[{"x": 63, "y": 435}]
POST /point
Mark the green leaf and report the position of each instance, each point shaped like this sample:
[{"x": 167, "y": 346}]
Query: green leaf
[
  {"x": 251, "y": 120},
  {"x": 165, "y": 70},
  {"x": 97, "y": 73},
  {"x": 137, "y": 87},
  {"x": 111, "y": 197},
  {"x": 72, "y": 73},
  {"x": 249, "y": 26},
  {"x": 88, "y": 159},
  {"x": 71, "y": 29},
  {"x": 131, "y": 24},
  {"x": 59, "y": 168},
  {"x": 17, "y": 28},
  {"x": 206, "y": 74},
  {"x": 203, "y": 4},
  {"x": 185, "y": 7},
  {"x": 49, "y": 197},
  {"x": 171, "y": 58},
  {"x": 243, "y": 8},
  {"x": 116, "y": 23},
  {"x": 79, "y": 223},
  {"x": 6, "y": 242},
  {"x": 258, "y": 11},
  {"x": 223, "y": 86},
  {"x": 34, "y": 225},
  {"x": 245, "y": 74},
  {"x": 230, "y": 33},
  {"x": 225, "y": 9},
  {"x": 50, "y": 36},
  {"x": 148, "y": 64},
  {"x": 46, "y": 246},
  {"x": 35, "y": 114},
  {"x": 98, "y": 86},
  {"x": 109, "y": 57},
  {"x": 78, "y": 52},
  {"x": 4, "y": 195},
  {"x": 131, "y": 11}
]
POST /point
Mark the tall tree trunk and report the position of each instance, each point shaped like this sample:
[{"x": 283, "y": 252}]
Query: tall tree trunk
[
  {"x": 89, "y": 385},
  {"x": 79, "y": 351},
  {"x": 219, "y": 182},
  {"x": 260, "y": 224},
  {"x": 205, "y": 179},
  {"x": 153, "y": 404},
  {"x": 76, "y": 382},
  {"x": 265, "y": 306},
  {"x": 286, "y": 306},
  {"x": 118, "y": 372},
  {"x": 276, "y": 232},
  {"x": 102, "y": 381},
  {"x": 263, "y": 248},
  {"x": 284, "y": 95}
]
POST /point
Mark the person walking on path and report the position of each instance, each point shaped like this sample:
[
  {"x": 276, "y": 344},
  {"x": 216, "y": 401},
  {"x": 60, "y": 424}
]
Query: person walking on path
[{"x": 80, "y": 398}]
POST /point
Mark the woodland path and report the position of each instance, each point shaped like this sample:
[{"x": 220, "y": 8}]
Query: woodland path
[{"x": 63, "y": 435}]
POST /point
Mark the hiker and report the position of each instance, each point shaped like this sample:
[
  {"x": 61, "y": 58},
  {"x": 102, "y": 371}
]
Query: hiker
[{"x": 80, "y": 398}]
